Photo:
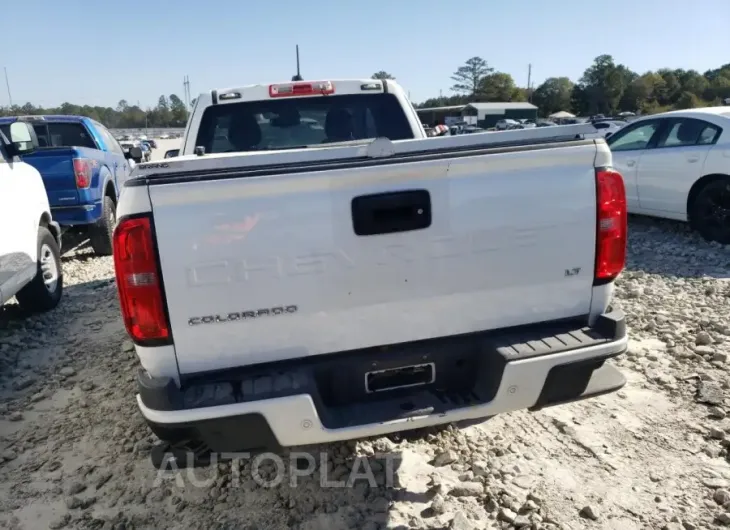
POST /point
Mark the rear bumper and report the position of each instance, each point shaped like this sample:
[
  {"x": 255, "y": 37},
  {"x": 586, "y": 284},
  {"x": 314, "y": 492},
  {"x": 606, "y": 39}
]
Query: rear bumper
[
  {"x": 82, "y": 214},
  {"x": 322, "y": 399}
]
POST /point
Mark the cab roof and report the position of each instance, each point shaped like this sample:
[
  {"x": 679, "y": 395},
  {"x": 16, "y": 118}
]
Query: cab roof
[
  {"x": 70, "y": 118},
  {"x": 295, "y": 89}
]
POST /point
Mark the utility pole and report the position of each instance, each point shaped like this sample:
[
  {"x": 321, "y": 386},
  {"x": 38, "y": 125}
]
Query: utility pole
[
  {"x": 186, "y": 91},
  {"x": 529, "y": 78},
  {"x": 7, "y": 83}
]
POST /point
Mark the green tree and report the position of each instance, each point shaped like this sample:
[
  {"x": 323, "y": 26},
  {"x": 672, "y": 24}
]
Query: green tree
[
  {"x": 467, "y": 79},
  {"x": 382, "y": 74},
  {"x": 602, "y": 86},
  {"x": 719, "y": 87},
  {"x": 123, "y": 115},
  {"x": 672, "y": 89},
  {"x": 642, "y": 94},
  {"x": 711, "y": 75},
  {"x": 178, "y": 111},
  {"x": 497, "y": 86},
  {"x": 161, "y": 114},
  {"x": 444, "y": 101},
  {"x": 693, "y": 81},
  {"x": 688, "y": 100},
  {"x": 553, "y": 95},
  {"x": 520, "y": 94}
]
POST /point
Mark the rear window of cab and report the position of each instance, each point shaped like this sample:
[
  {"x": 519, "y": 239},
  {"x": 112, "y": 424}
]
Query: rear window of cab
[{"x": 289, "y": 123}]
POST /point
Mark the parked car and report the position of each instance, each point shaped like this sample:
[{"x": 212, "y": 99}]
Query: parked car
[
  {"x": 146, "y": 151},
  {"x": 134, "y": 150},
  {"x": 506, "y": 125},
  {"x": 83, "y": 168},
  {"x": 319, "y": 294},
  {"x": 608, "y": 127},
  {"x": 30, "y": 240},
  {"x": 677, "y": 165}
]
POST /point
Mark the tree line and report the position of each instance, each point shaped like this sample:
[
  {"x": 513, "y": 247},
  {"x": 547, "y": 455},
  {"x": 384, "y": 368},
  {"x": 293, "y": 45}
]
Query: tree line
[
  {"x": 604, "y": 88},
  {"x": 169, "y": 112}
]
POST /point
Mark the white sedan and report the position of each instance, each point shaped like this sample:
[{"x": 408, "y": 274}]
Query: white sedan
[
  {"x": 677, "y": 165},
  {"x": 606, "y": 128}
]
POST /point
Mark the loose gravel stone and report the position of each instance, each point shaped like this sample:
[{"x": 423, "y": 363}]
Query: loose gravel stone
[
  {"x": 60, "y": 522},
  {"x": 589, "y": 512},
  {"x": 507, "y": 515},
  {"x": 69, "y": 420},
  {"x": 721, "y": 496},
  {"x": 716, "y": 483},
  {"x": 438, "y": 505},
  {"x": 446, "y": 458},
  {"x": 467, "y": 489},
  {"x": 67, "y": 371}
]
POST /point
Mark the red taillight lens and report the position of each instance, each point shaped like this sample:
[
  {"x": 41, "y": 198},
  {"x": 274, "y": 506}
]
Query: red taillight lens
[
  {"x": 611, "y": 226},
  {"x": 138, "y": 280},
  {"x": 301, "y": 89},
  {"x": 82, "y": 172}
]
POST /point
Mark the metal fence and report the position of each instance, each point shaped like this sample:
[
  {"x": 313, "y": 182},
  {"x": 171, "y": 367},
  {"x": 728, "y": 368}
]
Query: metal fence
[{"x": 150, "y": 132}]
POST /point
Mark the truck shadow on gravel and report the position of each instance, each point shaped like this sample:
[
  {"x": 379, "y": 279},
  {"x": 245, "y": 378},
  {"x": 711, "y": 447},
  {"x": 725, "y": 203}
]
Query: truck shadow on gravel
[
  {"x": 76, "y": 453},
  {"x": 671, "y": 248},
  {"x": 74, "y": 241}
]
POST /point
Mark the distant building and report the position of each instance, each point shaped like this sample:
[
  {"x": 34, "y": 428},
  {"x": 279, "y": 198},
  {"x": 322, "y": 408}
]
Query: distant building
[
  {"x": 441, "y": 115},
  {"x": 482, "y": 114},
  {"x": 486, "y": 115}
]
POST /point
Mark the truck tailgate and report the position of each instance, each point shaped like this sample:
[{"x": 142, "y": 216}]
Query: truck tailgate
[
  {"x": 263, "y": 268},
  {"x": 56, "y": 168}
]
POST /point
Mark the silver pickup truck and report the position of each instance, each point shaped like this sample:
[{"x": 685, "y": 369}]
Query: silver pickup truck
[{"x": 321, "y": 293}]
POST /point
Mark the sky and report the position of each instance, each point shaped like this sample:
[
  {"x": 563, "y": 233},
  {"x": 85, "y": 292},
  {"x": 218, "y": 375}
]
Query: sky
[{"x": 98, "y": 53}]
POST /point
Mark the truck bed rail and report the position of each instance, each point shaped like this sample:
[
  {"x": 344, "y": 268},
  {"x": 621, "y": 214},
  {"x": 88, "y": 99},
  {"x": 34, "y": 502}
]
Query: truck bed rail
[{"x": 373, "y": 153}]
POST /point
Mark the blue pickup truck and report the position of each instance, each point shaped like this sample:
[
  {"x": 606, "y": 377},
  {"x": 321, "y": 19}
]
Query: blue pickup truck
[{"x": 83, "y": 168}]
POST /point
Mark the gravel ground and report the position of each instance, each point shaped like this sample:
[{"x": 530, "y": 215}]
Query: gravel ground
[{"x": 74, "y": 452}]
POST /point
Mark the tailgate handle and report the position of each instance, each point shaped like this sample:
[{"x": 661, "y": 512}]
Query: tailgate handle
[{"x": 386, "y": 213}]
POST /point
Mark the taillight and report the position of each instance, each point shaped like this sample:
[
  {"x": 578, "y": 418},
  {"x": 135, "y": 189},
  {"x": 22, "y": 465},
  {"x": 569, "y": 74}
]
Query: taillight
[
  {"x": 611, "y": 227},
  {"x": 301, "y": 89},
  {"x": 82, "y": 172},
  {"x": 138, "y": 281}
]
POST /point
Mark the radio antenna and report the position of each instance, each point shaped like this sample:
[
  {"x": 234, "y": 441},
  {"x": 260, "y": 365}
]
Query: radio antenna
[{"x": 297, "y": 77}]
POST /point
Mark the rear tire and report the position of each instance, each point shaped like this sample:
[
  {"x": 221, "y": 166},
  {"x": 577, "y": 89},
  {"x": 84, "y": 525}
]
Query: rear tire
[
  {"x": 101, "y": 232},
  {"x": 709, "y": 213},
  {"x": 44, "y": 292}
]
